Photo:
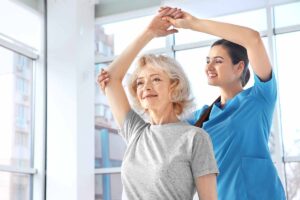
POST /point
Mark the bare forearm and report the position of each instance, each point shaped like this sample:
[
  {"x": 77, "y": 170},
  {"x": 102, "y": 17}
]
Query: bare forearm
[
  {"x": 246, "y": 37},
  {"x": 235, "y": 33}
]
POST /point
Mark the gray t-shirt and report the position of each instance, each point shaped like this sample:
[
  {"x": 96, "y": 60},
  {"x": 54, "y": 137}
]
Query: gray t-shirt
[{"x": 163, "y": 161}]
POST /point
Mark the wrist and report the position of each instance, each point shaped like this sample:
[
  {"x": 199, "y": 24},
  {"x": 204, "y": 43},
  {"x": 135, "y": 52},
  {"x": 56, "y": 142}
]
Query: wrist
[
  {"x": 148, "y": 34},
  {"x": 194, "y": 23}
]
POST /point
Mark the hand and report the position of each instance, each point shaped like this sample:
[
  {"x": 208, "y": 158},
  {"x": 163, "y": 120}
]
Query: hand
[
  {"x": 159, "y": 27},
  {"x": 177, "y": 13},
  {"x": 103, "y": 79},
  {"x": 179, "y": 20}
]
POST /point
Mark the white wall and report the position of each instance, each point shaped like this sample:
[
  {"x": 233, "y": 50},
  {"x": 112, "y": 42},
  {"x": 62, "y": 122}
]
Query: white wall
[{"x": 70, "y": 100}]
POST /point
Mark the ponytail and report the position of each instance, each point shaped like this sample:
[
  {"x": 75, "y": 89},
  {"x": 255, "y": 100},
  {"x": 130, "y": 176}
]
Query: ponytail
[{"x": 205, "y": 116}]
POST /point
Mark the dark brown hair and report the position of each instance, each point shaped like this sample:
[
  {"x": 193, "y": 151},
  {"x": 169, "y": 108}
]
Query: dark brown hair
[{"x": 237, "y": 53}]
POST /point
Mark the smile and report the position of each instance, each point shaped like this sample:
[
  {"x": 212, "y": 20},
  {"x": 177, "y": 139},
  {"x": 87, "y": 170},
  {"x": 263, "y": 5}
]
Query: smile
[
  {"x": 212, "y": 75},
  {"x": 149, "y": 96}
]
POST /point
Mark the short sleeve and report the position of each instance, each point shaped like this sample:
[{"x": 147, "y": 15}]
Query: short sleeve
[
  {"x": 203, "y": 161},
  {"x": 266, "y": 90},
  {"x": 133, "y": 125}
]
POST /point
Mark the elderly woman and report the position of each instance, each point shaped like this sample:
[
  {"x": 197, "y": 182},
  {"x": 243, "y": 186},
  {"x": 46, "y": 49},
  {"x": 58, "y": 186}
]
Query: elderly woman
[{"x": 165, "y": 158}]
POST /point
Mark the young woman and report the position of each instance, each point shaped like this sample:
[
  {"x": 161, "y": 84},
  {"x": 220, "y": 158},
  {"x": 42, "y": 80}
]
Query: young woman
[
  {"x": 165, "y": 158},
  {"x": 239, "y": 121}
]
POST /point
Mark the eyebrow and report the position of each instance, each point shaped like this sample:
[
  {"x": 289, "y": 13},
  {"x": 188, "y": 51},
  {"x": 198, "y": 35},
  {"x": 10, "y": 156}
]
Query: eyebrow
[
  {"x": 141, "y": 77},
  {"x": 207, "y": 57}
]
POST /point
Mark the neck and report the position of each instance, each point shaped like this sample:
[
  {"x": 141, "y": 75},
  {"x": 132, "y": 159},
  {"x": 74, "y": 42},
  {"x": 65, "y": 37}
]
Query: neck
[
  {"x": 163, "y": 116},
  {"x": 228, "y": 93}
]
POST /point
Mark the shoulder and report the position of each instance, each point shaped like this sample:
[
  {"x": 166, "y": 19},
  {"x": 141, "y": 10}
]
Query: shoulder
[
  {"x": 194, "y": 116},
  {"x": 194, "y": 132}
]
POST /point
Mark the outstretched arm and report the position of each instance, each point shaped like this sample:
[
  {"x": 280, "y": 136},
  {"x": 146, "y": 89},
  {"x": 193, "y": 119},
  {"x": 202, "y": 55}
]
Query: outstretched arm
[
  {"x": 114, "y": 90},
  {"x": 243, "y": 36}
]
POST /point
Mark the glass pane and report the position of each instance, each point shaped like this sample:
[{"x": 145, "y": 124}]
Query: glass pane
[
  {"x": 293, "y": 180},
  {"x": 15, "y": 109},
  {"x": 254, "y": 19},
  {"x": 20, "y": 23},
  {"x": 109, "y": 146},
  {"x": 287, "y": 15},
  {"x": 108, "y": 187},
  {"x": 14, "y": 186},
  {"x": 288, "y": 83},
  {"x": 111, "y": 39}
]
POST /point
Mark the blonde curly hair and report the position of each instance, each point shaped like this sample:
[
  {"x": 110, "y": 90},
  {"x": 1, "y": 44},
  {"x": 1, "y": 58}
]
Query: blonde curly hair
[{"x": 181, "y": 94}]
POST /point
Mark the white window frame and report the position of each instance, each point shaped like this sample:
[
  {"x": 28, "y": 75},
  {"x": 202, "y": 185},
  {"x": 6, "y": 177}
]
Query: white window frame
[{"x": 37, "y": 172}]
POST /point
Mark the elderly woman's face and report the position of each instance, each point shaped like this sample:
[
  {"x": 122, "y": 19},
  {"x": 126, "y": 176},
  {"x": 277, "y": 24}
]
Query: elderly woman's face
[{"x": 153, "y": 88}]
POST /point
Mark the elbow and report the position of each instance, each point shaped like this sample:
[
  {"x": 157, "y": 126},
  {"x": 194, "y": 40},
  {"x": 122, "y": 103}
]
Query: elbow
[{"x": 254, "y": 38}]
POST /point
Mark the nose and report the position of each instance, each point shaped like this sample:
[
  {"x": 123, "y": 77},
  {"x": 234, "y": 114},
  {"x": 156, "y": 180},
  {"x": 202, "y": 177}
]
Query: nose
[
  {"x": 210, "y": 66},
  {"x": 147, "y": 85}
]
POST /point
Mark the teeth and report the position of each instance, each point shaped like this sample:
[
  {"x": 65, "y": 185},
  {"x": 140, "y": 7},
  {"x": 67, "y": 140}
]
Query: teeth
[{"x": 212, "y": 75}]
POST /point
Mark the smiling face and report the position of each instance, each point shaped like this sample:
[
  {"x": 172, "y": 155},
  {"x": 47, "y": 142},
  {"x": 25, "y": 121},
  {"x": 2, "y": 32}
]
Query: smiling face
[
  {"x": 219, "y": 68},
  {"x": 153, "y": 88}
]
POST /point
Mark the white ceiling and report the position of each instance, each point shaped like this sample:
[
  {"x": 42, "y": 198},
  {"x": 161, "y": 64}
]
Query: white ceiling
[{"x": 201, "y": 8}]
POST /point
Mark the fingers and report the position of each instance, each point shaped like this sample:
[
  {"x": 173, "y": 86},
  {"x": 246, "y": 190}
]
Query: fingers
[
  {"x": 178, "y": 14},
  {"x": 102, "y": 76},
  {"x": 163, "y": 7},
  {"x": 171, "y": 12},
  {"x": 169, "y": 19},
  {"x": 103, "y": 79},
  {"x": 103, "y": 84},
  {"x": 168, "y": 11},
  {"x": 164, "y": 11}
]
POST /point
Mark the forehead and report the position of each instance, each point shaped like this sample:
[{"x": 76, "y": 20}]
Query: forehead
[
  {"x": 149, "y": 70},
  {"x": 218, "y": 50}
]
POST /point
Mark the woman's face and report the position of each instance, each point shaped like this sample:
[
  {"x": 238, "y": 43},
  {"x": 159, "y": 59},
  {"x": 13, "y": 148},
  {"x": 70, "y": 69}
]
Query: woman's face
[
  {"x": 219, "y": 68},
  {"x": 153, "y": 88}
]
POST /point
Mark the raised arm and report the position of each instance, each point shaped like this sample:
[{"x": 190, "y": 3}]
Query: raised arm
[
  {"x": 243, "y": 36},
  {"x": 114, "y": 90}
]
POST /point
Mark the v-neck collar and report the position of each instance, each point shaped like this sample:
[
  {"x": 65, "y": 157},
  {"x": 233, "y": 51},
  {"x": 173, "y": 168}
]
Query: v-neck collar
[{"x": 218, "y": 114}]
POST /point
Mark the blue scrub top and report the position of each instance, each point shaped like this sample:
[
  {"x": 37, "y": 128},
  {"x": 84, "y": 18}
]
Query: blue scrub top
[{"x": 239, "y": 132}]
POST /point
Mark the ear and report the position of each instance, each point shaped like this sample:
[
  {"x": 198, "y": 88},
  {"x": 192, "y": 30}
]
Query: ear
[{"x": 240, "y": 67}]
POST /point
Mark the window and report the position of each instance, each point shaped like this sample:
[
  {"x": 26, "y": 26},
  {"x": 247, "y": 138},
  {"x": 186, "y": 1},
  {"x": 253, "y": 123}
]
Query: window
[
  {"x": 15, "y": 108},
  {"x": 255, "y": 19},
  {"x": 111, "y": 39},
  {"x": 14, "y": 186},
  {"x": 108, "y": 186},
  {"x": 20, "y": 31},
  {"x": 287, "y": 15},
  {"x": 106, "y": 136},
  {"x": 288, "y": 83},
  {"x": 20, "y": 24},
  {"x": 293, "y": 180}
]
